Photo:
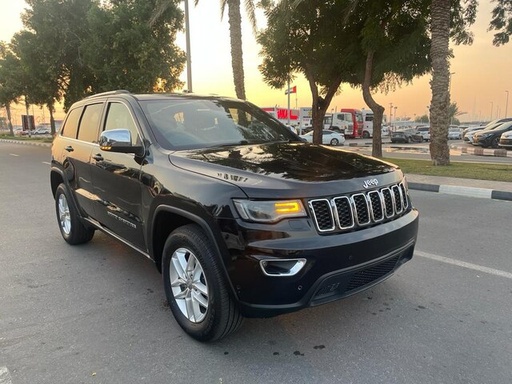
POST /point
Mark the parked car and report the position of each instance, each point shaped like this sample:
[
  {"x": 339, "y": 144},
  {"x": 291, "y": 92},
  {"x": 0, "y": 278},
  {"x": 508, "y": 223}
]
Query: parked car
[
  {"x": 424, "y": 131},
  {"x": 406, "y": 136},
  {"x": 467, "y": 134},
  {"x": 454, "y": 133},
  {"x": 42, "y": 131},
  {"x": 240, "y": 216},
  {"x": 328, "y": 137},
  {"x": 491, "y": 137},
  {"x": 506, "y": 140}
]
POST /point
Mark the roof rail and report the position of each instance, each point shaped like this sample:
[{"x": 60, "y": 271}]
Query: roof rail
[{"x": 116, "y": 92}]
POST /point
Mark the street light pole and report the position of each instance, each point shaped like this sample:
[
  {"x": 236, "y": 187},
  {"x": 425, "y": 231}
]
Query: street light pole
[
  {"x": 189, "y": 57},
  {"x": 492, "y": 105},
  {"x": 506, "y": 105}
]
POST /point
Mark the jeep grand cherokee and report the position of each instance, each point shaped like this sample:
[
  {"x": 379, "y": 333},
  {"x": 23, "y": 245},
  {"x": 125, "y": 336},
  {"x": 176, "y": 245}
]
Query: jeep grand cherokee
[{"x": 242, "y": 218}]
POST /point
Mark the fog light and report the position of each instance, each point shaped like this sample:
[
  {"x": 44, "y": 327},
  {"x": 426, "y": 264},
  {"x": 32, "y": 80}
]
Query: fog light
[{"x": 282, "y": 267}]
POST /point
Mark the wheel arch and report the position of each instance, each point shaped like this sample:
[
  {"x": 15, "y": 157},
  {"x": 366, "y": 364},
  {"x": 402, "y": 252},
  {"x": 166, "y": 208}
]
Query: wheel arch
[
  {"x": 56, "y": 178},
  {"x": 166, "y": 219}
]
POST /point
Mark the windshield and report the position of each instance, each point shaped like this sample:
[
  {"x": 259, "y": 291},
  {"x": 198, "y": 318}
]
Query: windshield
[{"x": 200, "y": 123}]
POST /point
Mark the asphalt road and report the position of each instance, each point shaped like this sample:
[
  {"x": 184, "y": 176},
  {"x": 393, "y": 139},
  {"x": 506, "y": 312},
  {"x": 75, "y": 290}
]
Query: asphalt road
[{"x": 97, "y": 313}]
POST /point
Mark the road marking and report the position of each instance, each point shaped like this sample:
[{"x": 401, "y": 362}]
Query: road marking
[
  {"x": 47, "y": 163},
  {"x": 476, "y": 267},
  {"x": 13, "y": 154},
  {"x": 5, "y": 376}
]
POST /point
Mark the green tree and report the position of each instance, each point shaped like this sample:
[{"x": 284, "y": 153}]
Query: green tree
[
  {"x": 40, "y": 71},
  {"x": 308, "y": 39},
  {"x": 394, "y": 46},
  {"x": 60, "y": 28},
  {"x": 125, "y": 51},
  {"x": 9, "y": 84},
  {"x": 367, "y": 44},
  {"x": 502, "y": 22}
]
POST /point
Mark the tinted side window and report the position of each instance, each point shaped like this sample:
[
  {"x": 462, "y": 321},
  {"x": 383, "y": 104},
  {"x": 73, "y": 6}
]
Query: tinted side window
[
  {"x": 90, "y": 123},
  {"x": 70, "y": 127},
  {"x": 119, "y": 117}
]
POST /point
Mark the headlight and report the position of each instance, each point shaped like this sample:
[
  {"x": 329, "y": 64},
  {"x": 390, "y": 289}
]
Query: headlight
[{"x": 269, "y": 211}]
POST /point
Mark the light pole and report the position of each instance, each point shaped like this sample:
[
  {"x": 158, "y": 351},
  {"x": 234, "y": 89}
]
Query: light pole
[
  {"x": 492, "y": 105},
  {"x": 189, "y": 57},
  {"x": 450, "y": 84},
  {"x": 506, "y": 104}
]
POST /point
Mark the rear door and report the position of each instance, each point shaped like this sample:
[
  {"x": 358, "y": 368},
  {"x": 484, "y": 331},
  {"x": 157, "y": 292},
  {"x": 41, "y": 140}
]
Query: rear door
[{"x": 80, "y": 131}]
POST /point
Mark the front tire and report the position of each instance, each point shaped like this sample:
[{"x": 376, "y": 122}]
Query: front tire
[
  {"x": 334, "y": 142},
  {"x": 195, "y": 286},
  {"x": 71, "y": 227}
]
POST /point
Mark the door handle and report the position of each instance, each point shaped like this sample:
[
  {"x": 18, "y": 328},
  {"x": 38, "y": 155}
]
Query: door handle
[
  {"x": 69, "y": 148},
  {"x": 98, "y": 157}
]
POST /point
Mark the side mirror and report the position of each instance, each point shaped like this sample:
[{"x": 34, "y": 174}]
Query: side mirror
[{"x": 119, "y": 140}]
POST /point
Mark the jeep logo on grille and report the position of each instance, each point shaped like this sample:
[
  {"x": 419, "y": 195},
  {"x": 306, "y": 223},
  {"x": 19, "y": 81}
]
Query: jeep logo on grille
[{"x": 370, "y": 183}]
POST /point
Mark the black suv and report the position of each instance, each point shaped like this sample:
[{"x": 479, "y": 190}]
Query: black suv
[{"x": 241, "y": 217}]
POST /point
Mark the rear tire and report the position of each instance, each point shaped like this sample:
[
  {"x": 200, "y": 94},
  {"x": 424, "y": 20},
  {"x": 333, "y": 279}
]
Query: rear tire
[
  {"x": 71, "y": 227},
  {"x": 195, "y": 287},
  {"x": 366, "y": 135}
]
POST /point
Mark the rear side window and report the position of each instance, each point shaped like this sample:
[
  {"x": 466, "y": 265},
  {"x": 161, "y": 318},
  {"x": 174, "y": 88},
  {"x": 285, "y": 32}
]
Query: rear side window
[
  {"x": 70, "y": 127},
  {"x": 89, "y": 125}
]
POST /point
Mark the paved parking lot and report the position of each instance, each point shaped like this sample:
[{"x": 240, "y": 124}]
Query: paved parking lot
[{"x": 97, "y": 313}]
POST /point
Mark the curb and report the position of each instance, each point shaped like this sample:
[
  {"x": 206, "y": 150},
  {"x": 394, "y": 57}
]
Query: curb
[
  {"x": 26, "y": 142},
  {"x": 500, "y": 152},
  {"x": 462, "y": 191}
]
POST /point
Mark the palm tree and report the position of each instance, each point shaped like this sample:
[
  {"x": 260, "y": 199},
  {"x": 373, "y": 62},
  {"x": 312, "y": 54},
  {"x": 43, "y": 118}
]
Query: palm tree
[
  {"x": 440, "y": 54},
  {"x": 235, "y": 34}
]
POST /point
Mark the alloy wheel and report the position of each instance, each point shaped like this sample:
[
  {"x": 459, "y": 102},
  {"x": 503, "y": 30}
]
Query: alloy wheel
[
  {"x": 189, "y": 285},
  {"x": 64, "y": 214}
]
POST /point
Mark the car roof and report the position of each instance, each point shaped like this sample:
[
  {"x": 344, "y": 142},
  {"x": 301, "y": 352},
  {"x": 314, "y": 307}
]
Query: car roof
[{"x": 159, "y": 96}]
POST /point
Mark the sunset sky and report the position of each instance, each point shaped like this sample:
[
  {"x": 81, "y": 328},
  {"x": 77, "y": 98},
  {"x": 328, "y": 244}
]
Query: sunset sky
[{"x": 481, "y": 72}]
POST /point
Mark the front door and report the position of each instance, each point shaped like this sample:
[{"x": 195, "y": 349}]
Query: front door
[{"x": 116, "y": 181}]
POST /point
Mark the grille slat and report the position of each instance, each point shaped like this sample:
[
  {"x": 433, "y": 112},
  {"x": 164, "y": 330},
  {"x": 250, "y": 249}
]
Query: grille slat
[{"x": 360, "y": 209}]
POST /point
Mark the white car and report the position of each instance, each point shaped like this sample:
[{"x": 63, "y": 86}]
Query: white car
[
  {"x": 454, "y": 133},
  {"x": 467, "y": 134},
  {"x": 328, "y": 137},
  {"x": 506, "y": 140},
  {"x": 424, "y": 131}
]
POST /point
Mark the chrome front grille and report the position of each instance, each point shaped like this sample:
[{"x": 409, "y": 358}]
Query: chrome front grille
[{"x": 359, "y": 209}]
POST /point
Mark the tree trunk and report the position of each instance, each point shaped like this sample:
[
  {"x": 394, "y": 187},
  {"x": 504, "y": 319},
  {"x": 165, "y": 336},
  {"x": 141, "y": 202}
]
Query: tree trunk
[
  {"x": 52, "y": 122},
  {"x": 28, "y": 120},
  {"x": 237, "y": 61},
  {"x": 378, "y": 110},
  {"x": 320, "y": 105},
  {"x": 9, "y": 118},
  {"x": 440, "y": 83}
]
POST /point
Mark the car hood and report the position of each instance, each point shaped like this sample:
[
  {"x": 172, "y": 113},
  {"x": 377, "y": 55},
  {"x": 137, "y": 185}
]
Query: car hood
[{"x": 280, "y": 167}]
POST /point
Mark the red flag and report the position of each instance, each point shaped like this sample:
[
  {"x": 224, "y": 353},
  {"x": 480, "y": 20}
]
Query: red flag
[{"x": 291, "y": 90}]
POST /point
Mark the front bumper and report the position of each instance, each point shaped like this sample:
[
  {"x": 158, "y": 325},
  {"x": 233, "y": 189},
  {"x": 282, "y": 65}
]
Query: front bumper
[{"x": 337, "y": 265}]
